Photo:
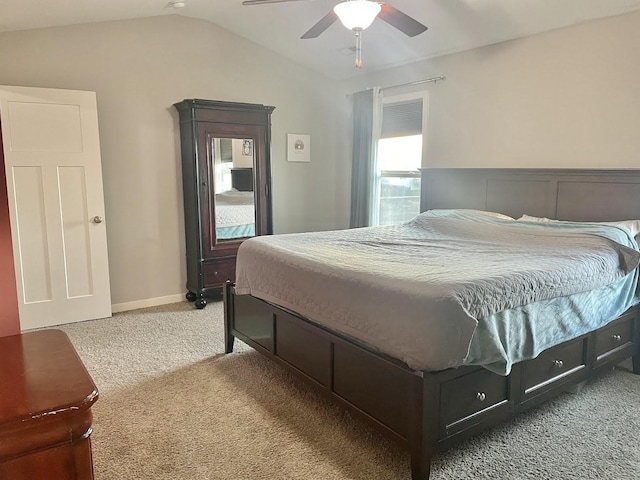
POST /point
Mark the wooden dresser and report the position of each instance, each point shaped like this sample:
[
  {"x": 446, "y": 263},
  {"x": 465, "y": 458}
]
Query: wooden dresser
[{"x": 46, "y": 397}]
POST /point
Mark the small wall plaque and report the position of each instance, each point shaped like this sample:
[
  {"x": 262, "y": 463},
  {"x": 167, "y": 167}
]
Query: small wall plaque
[{"x": 298, "y": 147}]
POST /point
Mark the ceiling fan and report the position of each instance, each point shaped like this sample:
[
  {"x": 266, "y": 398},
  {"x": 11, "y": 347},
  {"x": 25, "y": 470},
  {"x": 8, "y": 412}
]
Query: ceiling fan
[{"x": 357, "y": 15}]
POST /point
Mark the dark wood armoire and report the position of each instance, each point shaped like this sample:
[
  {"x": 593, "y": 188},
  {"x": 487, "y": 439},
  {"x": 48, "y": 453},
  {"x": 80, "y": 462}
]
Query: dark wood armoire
[{"x": 226, "y": 177}]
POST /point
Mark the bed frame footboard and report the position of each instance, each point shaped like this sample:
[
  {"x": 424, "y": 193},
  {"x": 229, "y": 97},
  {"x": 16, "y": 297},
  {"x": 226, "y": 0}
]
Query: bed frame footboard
[{"x": 422, "y": 410}]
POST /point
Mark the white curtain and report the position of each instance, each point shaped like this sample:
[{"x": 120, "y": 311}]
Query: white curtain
[{"x": 375, "y": 136}]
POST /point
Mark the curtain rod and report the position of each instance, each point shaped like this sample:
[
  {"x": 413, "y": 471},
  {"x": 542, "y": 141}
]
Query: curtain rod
[
  {"x": 417, "y": 82},
  {"x": 408, "y": 84}
]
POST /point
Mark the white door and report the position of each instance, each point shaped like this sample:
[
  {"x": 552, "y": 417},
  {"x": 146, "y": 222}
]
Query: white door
[{"x": 56, "y": 204}]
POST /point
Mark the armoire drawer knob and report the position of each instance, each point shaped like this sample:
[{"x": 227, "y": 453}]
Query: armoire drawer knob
[
  {"x": 616, "y": 337},
  {"x": 481, "y": 396},
  {"x": 558, "y": 363}
]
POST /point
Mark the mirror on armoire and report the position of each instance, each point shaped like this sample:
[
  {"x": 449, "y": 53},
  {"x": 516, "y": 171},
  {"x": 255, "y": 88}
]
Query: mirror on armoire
[
  {"x": 225, "y": 150},
  {"x": 233, "y": 161}
]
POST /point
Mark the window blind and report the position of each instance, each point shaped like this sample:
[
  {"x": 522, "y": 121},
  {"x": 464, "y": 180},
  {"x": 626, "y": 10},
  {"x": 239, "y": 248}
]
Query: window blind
[
  {"x": 226, "y": 149},
  {"x": 402, "y": 119}
]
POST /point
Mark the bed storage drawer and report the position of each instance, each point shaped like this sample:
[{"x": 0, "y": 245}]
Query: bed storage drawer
[
  {"x": 304, "y": 347},
  {"x": 253, "y": 320},
  {"x": 614, "y": 339},
  {"x": 463, "y": 399},
  {"x": 358, "y": 376},
  {"x": 561, "y": 362}
]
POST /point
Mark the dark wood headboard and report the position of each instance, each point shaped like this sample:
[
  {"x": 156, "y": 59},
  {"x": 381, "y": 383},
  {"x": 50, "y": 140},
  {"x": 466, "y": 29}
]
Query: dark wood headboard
[
  {"x": 242, "y": 179},
  {"x": 578, "y": 195}
]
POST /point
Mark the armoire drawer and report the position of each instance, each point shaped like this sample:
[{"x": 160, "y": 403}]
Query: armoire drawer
[
  {"x": 552, "y": 365},
  {"x": 216, "y": 273}
]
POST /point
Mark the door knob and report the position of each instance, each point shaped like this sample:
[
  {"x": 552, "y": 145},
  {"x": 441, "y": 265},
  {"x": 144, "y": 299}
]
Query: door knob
[{"x": 97, "y": 219}]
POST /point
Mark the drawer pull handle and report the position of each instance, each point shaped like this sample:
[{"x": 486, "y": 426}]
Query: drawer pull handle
[
  {"x": 481, "y": 396},
  {"x": 215, "y": 274},
  {"x": 616, "y": 337},
  {"x": 558, "y": 363}
]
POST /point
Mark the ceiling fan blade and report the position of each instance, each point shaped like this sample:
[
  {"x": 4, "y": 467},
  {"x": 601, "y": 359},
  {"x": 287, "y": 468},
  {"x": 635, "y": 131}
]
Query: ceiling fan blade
[
  {"x": 261, "y": 2},
  {"x": 324, "y": 23},
  {"x": 403, "y": 22}
]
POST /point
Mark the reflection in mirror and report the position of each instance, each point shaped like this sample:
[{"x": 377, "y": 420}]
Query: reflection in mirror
[{"x": 233, "y": 187}]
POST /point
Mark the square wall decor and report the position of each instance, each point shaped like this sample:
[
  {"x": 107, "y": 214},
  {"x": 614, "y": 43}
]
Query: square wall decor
[{"x": 298, "y": 147}]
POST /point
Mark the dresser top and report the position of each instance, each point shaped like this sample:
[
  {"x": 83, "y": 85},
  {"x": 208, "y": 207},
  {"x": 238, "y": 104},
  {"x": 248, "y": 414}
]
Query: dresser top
[{"x": 42, "y": 375}]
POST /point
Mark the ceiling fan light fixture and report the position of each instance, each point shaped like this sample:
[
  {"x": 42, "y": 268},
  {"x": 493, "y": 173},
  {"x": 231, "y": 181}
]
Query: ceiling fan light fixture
[{"x": 357, "y": 14}]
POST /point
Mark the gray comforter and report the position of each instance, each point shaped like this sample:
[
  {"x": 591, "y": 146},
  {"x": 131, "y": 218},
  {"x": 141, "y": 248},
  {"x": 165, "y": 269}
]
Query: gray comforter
[{"x": 417, "y": 290}]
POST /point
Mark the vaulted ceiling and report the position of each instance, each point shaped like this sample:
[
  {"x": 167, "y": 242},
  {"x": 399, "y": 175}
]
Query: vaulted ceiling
[{"x": 454, "y": 25}]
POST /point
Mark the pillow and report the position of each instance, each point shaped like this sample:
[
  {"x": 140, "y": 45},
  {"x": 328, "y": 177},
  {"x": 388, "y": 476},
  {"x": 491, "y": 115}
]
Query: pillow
[
  {"x": 529, "y": 218},
  {"x": 465, "y": 213},
  {"x": 631, "y": 226},
  {"x": 489, "y": 214}
]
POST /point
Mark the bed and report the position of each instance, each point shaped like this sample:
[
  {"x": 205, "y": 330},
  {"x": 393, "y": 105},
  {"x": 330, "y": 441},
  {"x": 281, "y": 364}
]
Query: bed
[
  {"x": 235, "y": 214},
  {"x": 431, "y": 402}
]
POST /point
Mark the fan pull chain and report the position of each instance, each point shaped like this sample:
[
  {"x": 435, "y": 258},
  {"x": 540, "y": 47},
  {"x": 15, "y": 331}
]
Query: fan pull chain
[{"x": 358, "y": 48}]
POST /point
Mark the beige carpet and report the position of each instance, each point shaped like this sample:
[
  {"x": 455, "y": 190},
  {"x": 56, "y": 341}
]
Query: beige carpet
[{"x": 172, "y": 406}]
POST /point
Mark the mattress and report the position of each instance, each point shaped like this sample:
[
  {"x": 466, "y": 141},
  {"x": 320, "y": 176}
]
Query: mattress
[
  {"x": 435, "y": 292},
  {"x": 236, "y": 231},
  {"x": 235, "y": 215}
]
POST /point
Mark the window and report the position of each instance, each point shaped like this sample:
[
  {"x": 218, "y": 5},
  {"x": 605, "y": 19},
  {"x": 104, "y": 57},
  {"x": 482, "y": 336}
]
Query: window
[
  {"x": 399, "y": 156},
  {"x": 398, "y": 178}
]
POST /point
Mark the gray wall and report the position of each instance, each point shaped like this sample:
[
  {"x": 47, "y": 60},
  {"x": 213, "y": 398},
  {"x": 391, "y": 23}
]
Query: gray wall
[
  {"x": 566, "y": 98},
  {"x": 139, "y": 68}
]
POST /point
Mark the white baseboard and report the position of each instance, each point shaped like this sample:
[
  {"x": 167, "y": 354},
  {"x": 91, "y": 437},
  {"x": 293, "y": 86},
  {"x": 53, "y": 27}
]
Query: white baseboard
[{"x": 149, "y": 302}]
